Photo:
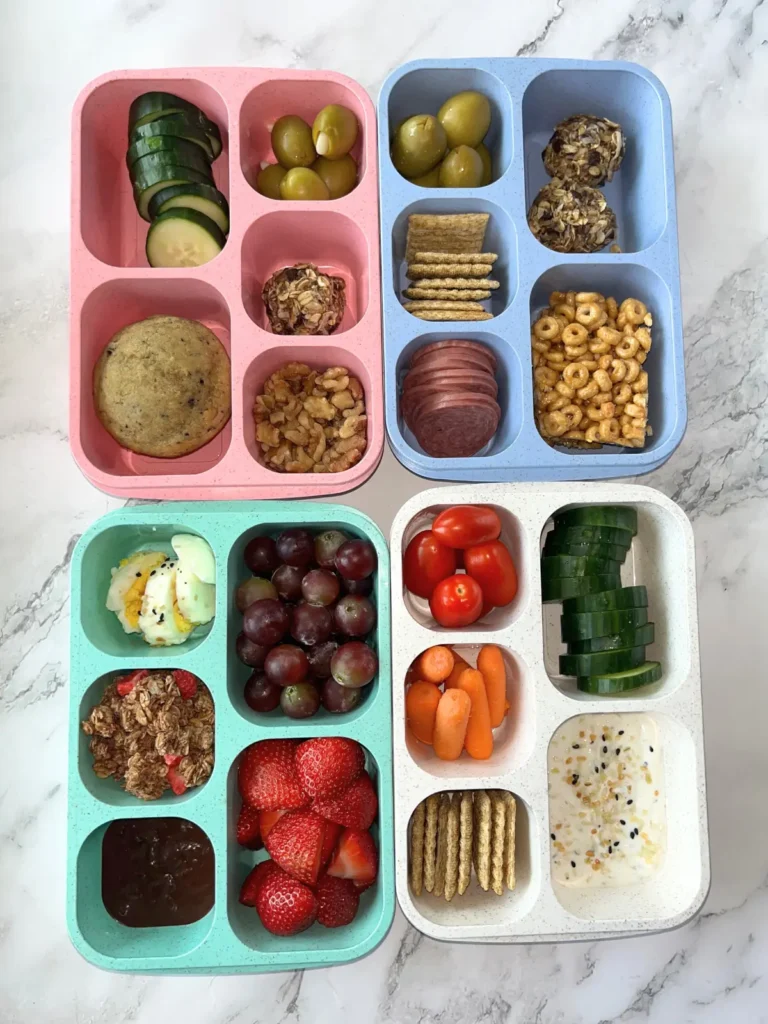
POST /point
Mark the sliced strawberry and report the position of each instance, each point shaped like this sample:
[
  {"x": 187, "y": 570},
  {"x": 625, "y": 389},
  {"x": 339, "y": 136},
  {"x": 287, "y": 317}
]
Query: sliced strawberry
[
  {"x": 254, "y": 881},
  {"x": 125, "y": 684},
  {"x": 186, "y": 682},
  {"x": 329, "y": 765},
  {"x": 177, "y": 782},
  {"x": 362, "y": 886},
  {"x": 355, "y": 808},
  {"x": 356, "y": 857},
  {"x": 248, "y": 830},
  {"x": 172, "y": 760},
  {"x": 337, "y": 901},
  {"x": 296, "y": 844},
  {"x": 267, "y": 821},
  {"x": 267, "y": 776},
  {"x": 330, "y": 838},
  {"x": 284, "y": 905}
]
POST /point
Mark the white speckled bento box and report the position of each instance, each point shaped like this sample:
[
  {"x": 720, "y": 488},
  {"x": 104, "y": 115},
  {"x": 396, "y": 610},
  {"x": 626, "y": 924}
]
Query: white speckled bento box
[{"x": 540, "y": 910}]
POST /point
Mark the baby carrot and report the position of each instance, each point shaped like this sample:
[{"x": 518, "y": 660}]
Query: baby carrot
[
  {"x": 451, "y": 724},
  {"x": 421, "y": 702},
  {"x": 458, "y": 667},
  {"x": 435, "y": 664},
  {"x": 478, "y": 742},
  {"x": 491, "y": 663}
]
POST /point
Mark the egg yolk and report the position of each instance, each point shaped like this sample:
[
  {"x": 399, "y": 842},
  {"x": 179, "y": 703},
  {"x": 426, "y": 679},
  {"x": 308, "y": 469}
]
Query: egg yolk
[{"x": 182, "y": 624}]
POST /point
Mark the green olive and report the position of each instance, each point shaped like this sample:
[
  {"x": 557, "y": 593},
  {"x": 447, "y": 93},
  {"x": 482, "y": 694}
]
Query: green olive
[
  {"x": 485, "y": 156},
  {"x": 419, "y": 144},
  {"x": 292, "y": 142},
  {"x": 340, "y": 176},
  {"x": 334, "y": 132},
  {"x": 303, "y": 183},
  {"x": 466, "y": 118},
  {"x": 462, "y": 168},
  {"x": 429, "y": 180},
  {"x": 268, "y": 181}
]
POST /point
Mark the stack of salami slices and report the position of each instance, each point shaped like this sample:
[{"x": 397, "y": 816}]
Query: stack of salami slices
[{"x": 449, "y": 397}]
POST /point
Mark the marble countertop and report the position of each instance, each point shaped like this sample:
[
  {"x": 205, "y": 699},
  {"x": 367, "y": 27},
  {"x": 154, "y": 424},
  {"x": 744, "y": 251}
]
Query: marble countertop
[{"x": 711, "y": 54}]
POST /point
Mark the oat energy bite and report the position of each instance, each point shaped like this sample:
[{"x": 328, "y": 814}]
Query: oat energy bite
[
  {"x": 584, "y": 150},
  {"x": 572, "y": 218}
]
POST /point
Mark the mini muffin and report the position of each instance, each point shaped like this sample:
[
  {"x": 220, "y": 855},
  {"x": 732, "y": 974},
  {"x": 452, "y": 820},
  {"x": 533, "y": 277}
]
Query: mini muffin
[{"x": 161, "y": 387}]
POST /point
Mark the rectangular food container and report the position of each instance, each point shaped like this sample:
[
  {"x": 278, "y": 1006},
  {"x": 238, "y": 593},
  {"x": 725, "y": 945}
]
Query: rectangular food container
[
  {"x": 112, "y": 284},
  {"x": 230, "y": 938},
  {"x": 538, "y": 910},
  {"x": 528, "y": 98}
]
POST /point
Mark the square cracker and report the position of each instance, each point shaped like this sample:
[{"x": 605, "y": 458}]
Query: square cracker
[
  {"x": 465, "y": 841},
  {"x": 461, "y": 294},
  {"x": 455, "y": 257},
  {"x": 498, "y": 835},
  {"x": 415, "y": 307},
  {"x": 452, "y": 851},
  {"x": 442, "y": 844},
  {"x": 509, "y": 840},
  {"x": 452, "y": 314},
  {"x": 481, "y": 843},
  {"x": 417, "y": 271},
  {"x": 430, "y": 841},
  {"x": 457, "y": 282},
  {"x": 453, "y": 232},
  {"x": 418, "y": 828}
]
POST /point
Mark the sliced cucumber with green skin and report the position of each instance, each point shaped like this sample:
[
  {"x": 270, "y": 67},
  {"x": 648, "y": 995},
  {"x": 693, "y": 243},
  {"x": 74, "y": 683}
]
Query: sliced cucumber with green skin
[
  {"x": 590, "y": 535},
  {"x": 575, "y": 586},
  {"x": 175, "y": 127},
  {"x": 621, "y": 682},
  {"x": 555, "y": 566},
  {"x": 612, "y": 551},
  {"x": 182, "y": 175},
  {"x": 183, "y": 238},
  {"x": 617, "y": 641},
  {"x": 165, "y": 154},
  {"x": 601, "y": 662},
  {"x": 151, "y": 105},
  {"x": 203, "y": 198},
  {"x": 584, "y": 625},
  {"x": 608, "y": 601},
  {"x": 622, "y": 517}
]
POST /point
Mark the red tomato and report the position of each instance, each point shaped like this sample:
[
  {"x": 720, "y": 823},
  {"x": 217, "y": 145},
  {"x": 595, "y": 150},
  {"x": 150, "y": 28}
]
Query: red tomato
[
  {"x": 492, "y": 566},
  {"x": 456, "y": 601},
  {"x": 465, "y": 525},
  {"x": 426, "y": 562}
]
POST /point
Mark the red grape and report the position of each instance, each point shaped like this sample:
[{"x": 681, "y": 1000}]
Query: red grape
[
  {"x": 327, "y": 544},
  {"x": 286, "y": 665},
  {"x": 319, "y": 658},
  {"x": 356, "y": 559},
  {"x": 261, "y": 556},
  {"x": 300, "y": 701},
  {"x": 249, "y": 653},
  {"x": 266, "y": 622},
  {"x": 320, "y": 586},
  {"x": 287, "y": 579},
  {"x": 311, "y": 623},
  {"x": 339, "y": 699},
  {"x": 253, "y": 589},
  {"x": 354, "y": 615},
  {"x": 260, "y": 694},
  {"x": 354, "y": 664},
  {"x": 364, "y": 586},
  {"x": 295, "y": 547}
]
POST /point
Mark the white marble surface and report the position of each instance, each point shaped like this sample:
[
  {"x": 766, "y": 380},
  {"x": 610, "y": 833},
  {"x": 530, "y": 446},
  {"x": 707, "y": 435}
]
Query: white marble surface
[{"x": 712, "y": 56}]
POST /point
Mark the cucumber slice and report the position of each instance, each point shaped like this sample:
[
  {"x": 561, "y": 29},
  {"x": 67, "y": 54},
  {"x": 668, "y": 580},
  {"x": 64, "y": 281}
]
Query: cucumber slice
[
  {"x": 153, "y": 158},
  {"x": 177, "y": 127},
  {"x": 152, "y": 105},
  {"x": 612, "y": 551},
  {"x": 183, "y": 238},
  {"x": 203, "y": 198},
  {"x": 621, "y": 682},
  {"x": 590, "y": 535},
  {"x": 176, "y": 176},
  {"x": 584, "y": 625},
  {"x": 601, "y": 662},
  {"x": 575, "y": 586},
  {"x": 622, "y": 517},
  {"x": 616, "y": 642},
  {"x": 555, "y": 566},
  {"x": 608, "y": 601}
]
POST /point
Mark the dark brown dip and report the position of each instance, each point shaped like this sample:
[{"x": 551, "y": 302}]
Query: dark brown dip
[{"x": 156, "y": 872}]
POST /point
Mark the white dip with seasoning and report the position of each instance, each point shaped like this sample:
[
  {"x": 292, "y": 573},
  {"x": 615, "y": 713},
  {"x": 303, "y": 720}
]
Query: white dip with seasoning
[{"x": 607, "y": 814}]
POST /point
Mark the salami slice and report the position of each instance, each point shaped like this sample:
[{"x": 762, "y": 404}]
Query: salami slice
[
  {"x": 455, "y": 426},
  {"x": 475, "y": 348}
]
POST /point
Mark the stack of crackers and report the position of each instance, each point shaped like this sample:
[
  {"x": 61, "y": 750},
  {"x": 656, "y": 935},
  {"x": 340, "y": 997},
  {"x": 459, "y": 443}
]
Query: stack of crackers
[
  {"x": 452, "y": 832},
  {"x": 447, "y": 267}
]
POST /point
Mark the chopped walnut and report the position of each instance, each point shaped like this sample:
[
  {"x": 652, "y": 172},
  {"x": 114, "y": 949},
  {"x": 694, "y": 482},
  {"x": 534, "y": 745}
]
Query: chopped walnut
[
  {"x": 572, "y": 219},
  {"x": 301, "y": 300},
  {"x": 131, "y": 735},
  {"x": 584, "y": 150}
]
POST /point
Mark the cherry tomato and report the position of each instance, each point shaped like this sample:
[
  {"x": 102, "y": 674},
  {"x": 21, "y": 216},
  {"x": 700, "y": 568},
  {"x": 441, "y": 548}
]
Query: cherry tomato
[
  {"x": 456, "y": 601},
  {"x": 492, "y": 566},
  {"x": 465, "y": 525},
  {"x": 426, "y": 562}
]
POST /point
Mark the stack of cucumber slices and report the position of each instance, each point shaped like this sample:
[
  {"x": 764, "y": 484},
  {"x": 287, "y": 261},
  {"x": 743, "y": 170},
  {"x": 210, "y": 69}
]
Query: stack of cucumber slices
[
  {"x": 604, "y": 625},
  {"x": 171, "y": 146}
]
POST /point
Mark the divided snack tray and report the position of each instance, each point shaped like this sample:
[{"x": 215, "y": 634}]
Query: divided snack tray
[
  {"x": 230, "y": 938},
  {"x": 528, "y": 98},
  {"x": 112, "y": 284},
  {"x": 540, "y": 910}
]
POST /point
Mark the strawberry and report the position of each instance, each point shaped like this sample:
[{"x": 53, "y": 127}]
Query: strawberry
[
  {"x": 177, "y": 782},
  {"x": 255, "y": 880},
  {"x": 125, "y": 684},
  {"x": 337, "y": 901},
  {"x": 355, "y": 808},
  {"x": 355, "y": 858},
  {"x": 284, "y": 905},
  {"x": 329, "y": 765},
  {"x": 267, "y": 820},
  {"x": 267, "y": 776},
  {"x": 295, "y": 842},
  {"x": 330, "y": 838},
  {"x": 362, "y": 886},
  {"x": 172, "y": 760},
  {"x": 186, "y": 682},
  {"x": 248, "y": 831}
]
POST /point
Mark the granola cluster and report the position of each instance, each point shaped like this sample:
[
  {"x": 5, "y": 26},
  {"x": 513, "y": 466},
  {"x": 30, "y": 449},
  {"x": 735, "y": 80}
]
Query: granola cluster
[
  {"x": 576, "y": 218},
  {"x": 135, "y": 736},
  {"x": 301, "y": 300},
  {"x": 584, "y": 150}
]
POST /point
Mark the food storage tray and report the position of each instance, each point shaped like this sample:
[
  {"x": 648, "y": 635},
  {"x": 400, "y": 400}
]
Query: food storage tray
[
  {"x": 528, "y": 98},
  {"x": 662, "y": 558},
  {"x": 230, "y": 938},
  {"x": 112, "y": 285}
]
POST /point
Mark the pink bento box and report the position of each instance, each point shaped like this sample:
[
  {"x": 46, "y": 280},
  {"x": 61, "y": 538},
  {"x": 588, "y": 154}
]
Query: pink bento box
[{"x": 112, "y": 284}]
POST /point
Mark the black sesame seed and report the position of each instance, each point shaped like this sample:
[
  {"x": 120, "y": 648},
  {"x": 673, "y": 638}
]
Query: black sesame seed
[
  {"x": 162, "y": 618},
  {"x": 615, "y": 796},
  {"x": 605, "y": 750},
  {"x": 153, "y": 572},
  {"x": 651, "y": 749},
  {"x": 603, "y": 738},
  {"x": 616, "y": 842},
  {"x": 630, "y": 801},
  {"x": 610, "y": 849},
  {"x": 618, "y": 751},
  {"x": 597, "y": 770},
  {"x": 553, "y": 837},
  {"x": 573, "y": 863},
  {"x": 602, "y": 765},
  {"x": 574, "y": 779},
  {"x": 575, "y": 746},
  {"x": 138, "y": 577},
  {"x": 621, "y": 732},
  {"x": 622, "y": 822}
]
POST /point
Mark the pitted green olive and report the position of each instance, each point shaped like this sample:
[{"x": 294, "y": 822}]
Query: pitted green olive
[
  {"x": 485, "y": 156},
  {"x": 334, "y": 132},
  {"x": 462, "y": 168},
  {"x": 419, "y": 144},
  {"x": 340, "y": 176},
  {"x": 429, "y": 180},
  {"x": 292, "y": 142},
  {"x": 268, "y": 181},
  {"x": 466, "y": 118},
  {"x": 303, "y": 183}
]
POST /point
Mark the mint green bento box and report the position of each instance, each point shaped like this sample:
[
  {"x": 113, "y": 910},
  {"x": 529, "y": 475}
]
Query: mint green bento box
[{"x": 230, "y": 938}]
